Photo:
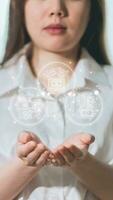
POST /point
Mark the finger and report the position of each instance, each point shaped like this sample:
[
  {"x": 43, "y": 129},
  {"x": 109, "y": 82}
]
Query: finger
[
  {"x": 24, "y": 149},
  {"x": 34, "y": 155},
  {"x": 59, "y": 159},
  {"x": 35, "y": 137},
  {"x": 43, "y": 158},
  {"x": 24, "y": 137},
  {"x": 68, "y": 156},
  {"x": 87, "y": 138},
  {"x": 51, "y": 159}
]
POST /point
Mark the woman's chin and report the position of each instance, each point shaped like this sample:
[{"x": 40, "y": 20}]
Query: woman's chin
[{"x": 56, "y": 49}]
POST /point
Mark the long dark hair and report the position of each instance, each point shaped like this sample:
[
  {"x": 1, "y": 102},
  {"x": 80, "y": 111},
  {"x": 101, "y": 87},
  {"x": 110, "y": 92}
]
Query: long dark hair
[{"x": 92, "y": 39}]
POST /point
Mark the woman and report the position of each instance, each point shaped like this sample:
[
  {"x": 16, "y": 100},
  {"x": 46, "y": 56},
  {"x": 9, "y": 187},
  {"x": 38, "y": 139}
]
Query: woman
[{"x": 58, "y": 93}]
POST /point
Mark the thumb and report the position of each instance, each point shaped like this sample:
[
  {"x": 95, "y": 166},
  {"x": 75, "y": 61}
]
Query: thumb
[{"x": 87, "y": 138}]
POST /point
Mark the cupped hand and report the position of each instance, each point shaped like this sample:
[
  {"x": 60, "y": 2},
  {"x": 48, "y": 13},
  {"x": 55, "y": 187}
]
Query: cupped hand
[
  {"x": 31, "y": 149},
  {"x": 73, "y": 149}
]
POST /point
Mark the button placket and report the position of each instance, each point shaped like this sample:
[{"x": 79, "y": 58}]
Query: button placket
[{"x": 58, "y": 135}]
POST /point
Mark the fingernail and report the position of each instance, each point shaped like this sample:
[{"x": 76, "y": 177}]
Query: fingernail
[{"x": 92, "y": 138}]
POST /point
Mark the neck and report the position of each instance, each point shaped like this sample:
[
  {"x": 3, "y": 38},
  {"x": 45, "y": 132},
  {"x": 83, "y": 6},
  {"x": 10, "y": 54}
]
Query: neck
[
  {"x": 53, "y": 76},
  {"x": 41, "y": 58}
]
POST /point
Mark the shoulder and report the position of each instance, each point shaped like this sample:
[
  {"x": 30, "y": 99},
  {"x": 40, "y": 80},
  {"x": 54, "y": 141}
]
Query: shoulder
[
  {"x": 14, "y": 60},
  {"x": 10, "y": 72}
]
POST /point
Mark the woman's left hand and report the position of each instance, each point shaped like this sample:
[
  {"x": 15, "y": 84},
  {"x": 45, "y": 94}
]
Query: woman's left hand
[{"x": 73, "y": 149}]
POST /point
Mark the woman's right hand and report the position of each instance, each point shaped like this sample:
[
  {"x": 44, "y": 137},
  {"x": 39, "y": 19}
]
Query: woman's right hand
[{"x": 31, "y": 150}]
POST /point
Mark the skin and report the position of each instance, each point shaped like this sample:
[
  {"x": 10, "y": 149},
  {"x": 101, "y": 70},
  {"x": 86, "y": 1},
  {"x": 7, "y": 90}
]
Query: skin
[{"x": 29, "y": 146}]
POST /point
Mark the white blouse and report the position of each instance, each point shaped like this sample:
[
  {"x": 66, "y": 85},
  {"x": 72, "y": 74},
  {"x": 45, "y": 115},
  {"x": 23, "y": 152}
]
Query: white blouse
[{"x": 86, "y": 105}]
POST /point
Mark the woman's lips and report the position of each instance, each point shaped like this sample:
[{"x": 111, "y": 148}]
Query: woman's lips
[{"x": 55, "y": 30}]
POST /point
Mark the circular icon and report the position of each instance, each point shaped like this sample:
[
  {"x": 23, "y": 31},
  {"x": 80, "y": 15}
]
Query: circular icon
[
  {"x": 26, "y": 107},
  {"x": 83, "y": 106},
  {"x": 54, "y": 77}
]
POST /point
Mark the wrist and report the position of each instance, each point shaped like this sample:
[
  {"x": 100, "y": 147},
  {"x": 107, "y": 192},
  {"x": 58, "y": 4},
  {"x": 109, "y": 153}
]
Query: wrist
[{"x": 20, "y": 165}]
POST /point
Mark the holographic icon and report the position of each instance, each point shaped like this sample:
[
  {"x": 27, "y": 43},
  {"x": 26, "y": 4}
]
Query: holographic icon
[
  {"x": 84, "y": 106},
  {"x": 26, "y": 107},
  {"x": 54, "y": 77}
]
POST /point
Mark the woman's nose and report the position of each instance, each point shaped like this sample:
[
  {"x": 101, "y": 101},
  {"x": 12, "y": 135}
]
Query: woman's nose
[{"x": 58, "y": 8}]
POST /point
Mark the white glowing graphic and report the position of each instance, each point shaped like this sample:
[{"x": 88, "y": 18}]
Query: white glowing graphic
[
  {"x": 55, "y": 76},
  {"x": 27, "y": 107},
  {"x": 83, "y": 106}
]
